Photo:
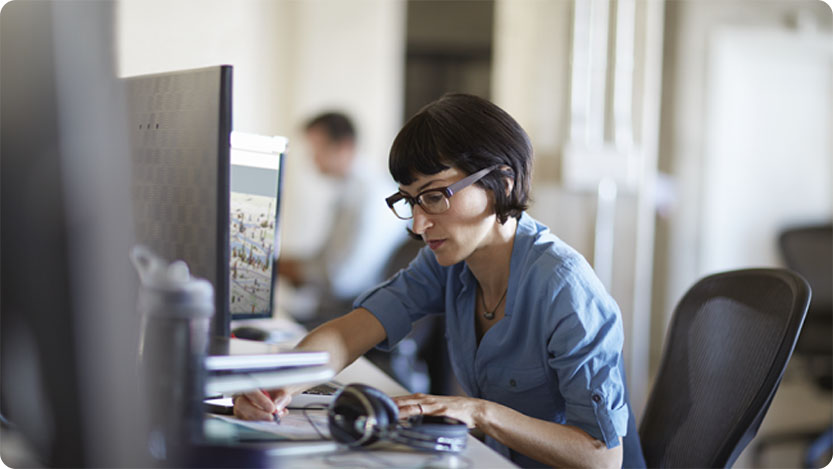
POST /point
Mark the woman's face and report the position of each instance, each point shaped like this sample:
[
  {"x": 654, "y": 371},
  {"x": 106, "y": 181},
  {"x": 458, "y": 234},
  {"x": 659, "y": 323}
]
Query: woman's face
[{"x": 466, "y": 226}]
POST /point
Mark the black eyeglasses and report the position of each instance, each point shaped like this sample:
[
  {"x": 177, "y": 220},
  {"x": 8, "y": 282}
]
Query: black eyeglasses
[{"x": 433, "y": 201}]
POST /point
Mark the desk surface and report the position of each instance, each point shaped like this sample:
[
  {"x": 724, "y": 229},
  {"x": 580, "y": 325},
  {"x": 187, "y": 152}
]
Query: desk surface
[{"x": 362, "y": 370}]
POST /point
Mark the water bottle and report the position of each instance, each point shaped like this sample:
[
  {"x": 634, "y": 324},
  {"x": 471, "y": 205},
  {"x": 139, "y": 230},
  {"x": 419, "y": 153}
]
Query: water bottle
[{"x": 176, "y": 311}]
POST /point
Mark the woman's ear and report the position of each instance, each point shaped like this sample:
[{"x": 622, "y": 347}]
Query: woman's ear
[{"x": 508, "y": 179}]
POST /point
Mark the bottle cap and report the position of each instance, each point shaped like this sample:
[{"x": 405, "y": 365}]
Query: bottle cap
[{"x": 170, "y": 289}]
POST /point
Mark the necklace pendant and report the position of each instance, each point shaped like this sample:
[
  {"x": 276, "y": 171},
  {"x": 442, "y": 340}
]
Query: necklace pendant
[{"x": 489, "y": 315}]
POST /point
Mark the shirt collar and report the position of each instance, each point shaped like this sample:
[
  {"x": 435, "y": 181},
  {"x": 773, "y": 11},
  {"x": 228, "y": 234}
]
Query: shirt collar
[
  {"x": 525, "y": 228},
  {"x": 466, "y": 277},
  {"x": 524, "y": 238}
]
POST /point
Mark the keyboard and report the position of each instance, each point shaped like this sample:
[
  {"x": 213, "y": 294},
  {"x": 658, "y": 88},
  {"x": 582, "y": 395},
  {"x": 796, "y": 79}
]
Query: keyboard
[{"x": 320, "y": 395}]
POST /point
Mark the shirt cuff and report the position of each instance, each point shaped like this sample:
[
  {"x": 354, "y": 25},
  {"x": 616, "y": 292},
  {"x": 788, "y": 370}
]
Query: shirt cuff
[
  {"x": 387, "y": 308},
  {"x": 598, "y": 420}
]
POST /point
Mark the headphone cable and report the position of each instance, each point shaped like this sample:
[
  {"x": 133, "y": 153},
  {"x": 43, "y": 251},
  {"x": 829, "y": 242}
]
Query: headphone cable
[{"x": 309, "y": 407}]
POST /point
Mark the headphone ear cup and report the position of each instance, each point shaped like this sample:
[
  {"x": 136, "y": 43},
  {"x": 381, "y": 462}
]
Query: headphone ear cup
[
  {"x": 384, "y": 412},
  {"x": 387, "y": 412},
  {"x": 359, "y": 414},
  {"x": 345, "y": 417}
]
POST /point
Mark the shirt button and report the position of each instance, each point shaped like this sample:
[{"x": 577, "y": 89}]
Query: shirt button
[
  {"x": 512, "y": 383},
  {"x": 597, "y": 398}
]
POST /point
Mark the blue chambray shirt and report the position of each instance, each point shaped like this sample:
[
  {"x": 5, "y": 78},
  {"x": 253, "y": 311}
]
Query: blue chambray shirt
[{"x": 555, "y": 354}]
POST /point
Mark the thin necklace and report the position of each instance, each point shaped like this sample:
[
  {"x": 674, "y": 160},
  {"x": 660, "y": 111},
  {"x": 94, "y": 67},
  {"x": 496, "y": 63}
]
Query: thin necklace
[{"x": 491, "y": 314}]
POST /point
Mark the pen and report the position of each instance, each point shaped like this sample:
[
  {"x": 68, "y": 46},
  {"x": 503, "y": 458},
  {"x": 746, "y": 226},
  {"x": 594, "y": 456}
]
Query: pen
[{"x": 275, "y": 413}]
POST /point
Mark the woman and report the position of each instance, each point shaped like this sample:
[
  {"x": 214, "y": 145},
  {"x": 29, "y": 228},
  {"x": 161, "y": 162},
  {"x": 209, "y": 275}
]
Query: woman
[{"x": 535, "y": 341}]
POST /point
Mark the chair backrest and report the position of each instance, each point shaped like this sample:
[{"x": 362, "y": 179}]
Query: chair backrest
[
  {"x": 728, "y": 343},
  {"x": 808, "y": 250}
]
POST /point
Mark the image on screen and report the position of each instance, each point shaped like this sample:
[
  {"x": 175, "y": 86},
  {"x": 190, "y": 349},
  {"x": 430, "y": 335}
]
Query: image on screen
[{"x": 253, "y": 232}]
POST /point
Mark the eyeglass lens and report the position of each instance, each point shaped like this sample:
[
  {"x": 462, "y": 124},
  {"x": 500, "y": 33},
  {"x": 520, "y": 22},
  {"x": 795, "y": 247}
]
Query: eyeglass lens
[{"x": 434, "y": 202}]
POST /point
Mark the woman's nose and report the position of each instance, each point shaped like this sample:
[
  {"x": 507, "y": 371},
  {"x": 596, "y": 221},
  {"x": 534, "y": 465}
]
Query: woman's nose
[{"x": 421, "y": 220}]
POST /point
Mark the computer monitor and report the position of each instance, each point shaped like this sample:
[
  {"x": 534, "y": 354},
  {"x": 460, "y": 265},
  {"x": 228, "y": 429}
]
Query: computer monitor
[
  {"x": 180, "y": 126},
  {"x": 68, "y": 324},
  {"x": 256, "y": 163}
]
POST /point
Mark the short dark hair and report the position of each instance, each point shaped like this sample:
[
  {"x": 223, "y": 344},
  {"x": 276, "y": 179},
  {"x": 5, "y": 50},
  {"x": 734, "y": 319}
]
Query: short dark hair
[
  {"x": 468, "y": 133},
  {"x": 336, "y": 125}
]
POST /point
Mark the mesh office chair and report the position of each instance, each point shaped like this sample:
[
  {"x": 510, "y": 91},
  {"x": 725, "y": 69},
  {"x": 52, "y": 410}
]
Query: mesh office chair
[
  {"x": 728, "y": 343},
  {"x": 808, "y": 250}
]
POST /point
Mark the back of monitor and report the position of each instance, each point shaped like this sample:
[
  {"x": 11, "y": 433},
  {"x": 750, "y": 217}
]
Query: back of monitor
[{"x": 180, "y": 126}]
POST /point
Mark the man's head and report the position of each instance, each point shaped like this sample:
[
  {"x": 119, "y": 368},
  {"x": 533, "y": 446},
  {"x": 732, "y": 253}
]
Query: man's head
[{"x": 332, "y": 141}]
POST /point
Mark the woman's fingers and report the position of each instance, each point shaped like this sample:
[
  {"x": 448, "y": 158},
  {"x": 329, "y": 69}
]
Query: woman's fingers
[
  {"x": 262, "y": 405},
  {"x": 460, "y": 408},
  {"x": 418, "y": 409},
  {"x": 410, "y": 399},
  {"x": 413, "y": 404},
  {"x": 262, "y": 400},
  {"x": 409, "y": 410},
  {"x": 245, "y": 409},
  {"x": 281, "y": 398}
]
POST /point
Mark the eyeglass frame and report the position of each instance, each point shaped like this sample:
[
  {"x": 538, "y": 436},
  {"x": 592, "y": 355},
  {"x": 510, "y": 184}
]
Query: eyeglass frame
[{"x": 447, "y": 191}]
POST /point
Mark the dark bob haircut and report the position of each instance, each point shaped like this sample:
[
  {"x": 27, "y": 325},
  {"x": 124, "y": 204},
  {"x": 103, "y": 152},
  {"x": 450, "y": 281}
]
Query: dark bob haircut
[{"x": 468, "y": 133}]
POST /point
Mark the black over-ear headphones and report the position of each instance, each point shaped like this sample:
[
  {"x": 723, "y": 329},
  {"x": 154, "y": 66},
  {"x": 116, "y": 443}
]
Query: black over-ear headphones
[{"x": 361, "y": 415}]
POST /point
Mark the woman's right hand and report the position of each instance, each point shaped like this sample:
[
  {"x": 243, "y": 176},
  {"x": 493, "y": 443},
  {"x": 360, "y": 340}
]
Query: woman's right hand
[
  {"x": 262, "y": 405},
  {"x": 345, "y": 338}
]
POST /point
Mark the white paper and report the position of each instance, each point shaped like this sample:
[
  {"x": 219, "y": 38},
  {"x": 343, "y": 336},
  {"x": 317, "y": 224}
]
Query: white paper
[{"x": 294, "y": 425}]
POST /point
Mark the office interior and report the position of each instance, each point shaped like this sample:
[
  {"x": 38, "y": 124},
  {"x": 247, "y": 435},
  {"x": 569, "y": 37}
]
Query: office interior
[{"x": 673, "y": 139}]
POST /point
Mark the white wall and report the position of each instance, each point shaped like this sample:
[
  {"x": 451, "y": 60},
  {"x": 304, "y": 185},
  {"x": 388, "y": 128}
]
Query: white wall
[
  {"x": 531, "y": 73},
  {"x": 533, "y": 69},
  {"x": 348, "y": 56},
  {"x": 291, "y": 59},
  {"x": 735, "y": 119},
  {"x": 768, "y": 149},
  {"x": 160, "y": 36}
]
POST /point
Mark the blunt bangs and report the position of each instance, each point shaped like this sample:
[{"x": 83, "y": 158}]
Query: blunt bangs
[{"x": 415, "y": 151}]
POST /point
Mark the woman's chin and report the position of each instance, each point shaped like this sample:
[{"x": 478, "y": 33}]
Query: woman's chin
[{"x": 446, "y": 258}]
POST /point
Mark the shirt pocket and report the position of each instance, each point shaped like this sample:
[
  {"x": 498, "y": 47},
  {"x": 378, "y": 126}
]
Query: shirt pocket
[{"x": 527, "y": 390}]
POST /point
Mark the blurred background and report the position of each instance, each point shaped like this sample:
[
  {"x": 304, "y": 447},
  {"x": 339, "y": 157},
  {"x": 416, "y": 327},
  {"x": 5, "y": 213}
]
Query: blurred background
[{"x": 673, "y": 139}]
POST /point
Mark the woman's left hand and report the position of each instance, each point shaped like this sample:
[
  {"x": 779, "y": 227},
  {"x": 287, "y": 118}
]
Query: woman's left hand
[{"x": 465, "y": 409}]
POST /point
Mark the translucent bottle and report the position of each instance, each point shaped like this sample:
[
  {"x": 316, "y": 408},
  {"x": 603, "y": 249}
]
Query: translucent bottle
[{"x": 176, "y": 311}]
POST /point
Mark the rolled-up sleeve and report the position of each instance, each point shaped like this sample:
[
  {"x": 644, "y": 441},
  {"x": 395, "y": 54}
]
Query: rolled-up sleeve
[
  {"x": 585, "y": 348},
  {"x": 409, "y": 295}
]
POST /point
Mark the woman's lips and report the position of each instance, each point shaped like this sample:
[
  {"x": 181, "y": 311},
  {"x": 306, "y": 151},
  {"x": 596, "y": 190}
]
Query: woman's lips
[{"x": 435, "y": 243}]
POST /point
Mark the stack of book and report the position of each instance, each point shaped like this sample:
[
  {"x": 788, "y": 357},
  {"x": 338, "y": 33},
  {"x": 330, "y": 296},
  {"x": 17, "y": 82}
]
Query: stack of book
[{"x": 228, "y": 374}]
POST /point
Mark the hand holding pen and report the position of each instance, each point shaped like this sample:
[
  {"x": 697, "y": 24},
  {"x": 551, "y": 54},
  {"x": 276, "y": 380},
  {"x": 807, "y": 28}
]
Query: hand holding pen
[
  {"x": 275, "y": 414},
  {"x": 261, "y": 405}
]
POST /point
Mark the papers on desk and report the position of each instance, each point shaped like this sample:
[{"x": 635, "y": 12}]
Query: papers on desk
[{"x": 293, "y": 426}]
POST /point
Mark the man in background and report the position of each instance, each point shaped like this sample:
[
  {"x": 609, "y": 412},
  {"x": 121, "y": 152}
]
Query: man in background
[{"x": 364, "y": 234}]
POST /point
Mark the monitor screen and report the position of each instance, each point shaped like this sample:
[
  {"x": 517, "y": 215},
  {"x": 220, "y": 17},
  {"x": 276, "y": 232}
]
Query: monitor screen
[
  {"x": 253, "y": 223},
  {"x": 180, "y": 126}
]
